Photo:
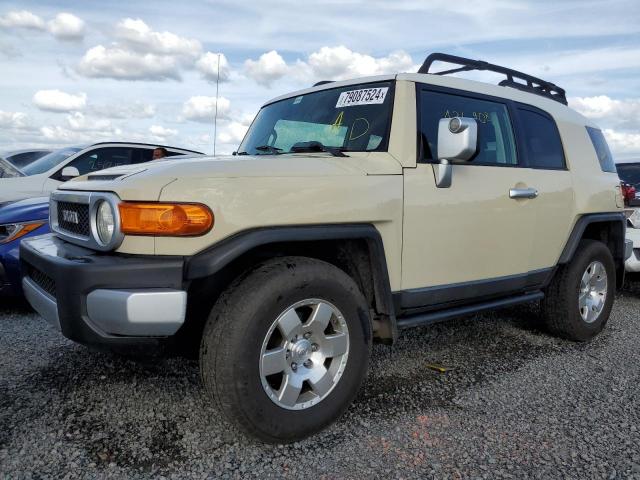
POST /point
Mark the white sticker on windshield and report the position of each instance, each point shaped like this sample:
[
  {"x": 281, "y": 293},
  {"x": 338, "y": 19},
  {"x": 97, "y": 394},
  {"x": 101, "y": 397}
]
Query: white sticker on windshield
[
  {"x": 297, "y": 100},
  {"x": 366, "y": 96}
]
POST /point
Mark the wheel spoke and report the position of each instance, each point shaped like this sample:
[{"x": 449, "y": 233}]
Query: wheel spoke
[
  {"x": 321, "y": 381},
  {"x": 273, "y": 361},
  {"x": 586, "y": 276},
  {"x": 599, "y": 284},
  {"x": 582, "y": 299},
  {"x": 289, "y": 323},
  {"x": 320, "y": 318},
  {"x": 335, "y": 345},
  {"x": 290, "y": 390}
]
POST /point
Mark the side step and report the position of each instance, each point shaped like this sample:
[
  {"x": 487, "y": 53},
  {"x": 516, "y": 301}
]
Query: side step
[{"x": 428, "y": 318}]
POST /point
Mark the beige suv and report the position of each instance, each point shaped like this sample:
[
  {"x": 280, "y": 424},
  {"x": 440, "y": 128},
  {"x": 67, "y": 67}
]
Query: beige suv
[{"x": 352, "y": 210}]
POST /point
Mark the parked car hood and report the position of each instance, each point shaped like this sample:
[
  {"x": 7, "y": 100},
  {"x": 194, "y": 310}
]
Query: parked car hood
[{"x": 24, "y": 210}]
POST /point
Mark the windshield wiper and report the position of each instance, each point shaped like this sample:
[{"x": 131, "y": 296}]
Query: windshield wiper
[
  {"x": 269, "y": 148},
  {"x": 262, "y": 148},
  {"x": 315, "y": 146}
]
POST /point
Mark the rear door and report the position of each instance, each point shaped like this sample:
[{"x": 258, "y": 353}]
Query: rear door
[{"x": 547, "y": 172}]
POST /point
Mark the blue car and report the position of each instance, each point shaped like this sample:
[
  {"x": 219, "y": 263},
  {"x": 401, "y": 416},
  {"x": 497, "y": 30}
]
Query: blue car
[{"x": 18, "y": 220}]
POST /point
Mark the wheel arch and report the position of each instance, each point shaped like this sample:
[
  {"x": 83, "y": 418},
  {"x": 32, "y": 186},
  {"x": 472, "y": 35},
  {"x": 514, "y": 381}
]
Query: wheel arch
[
  {"x": 609, "y": 228},
  {"x": 355, "y": 248}
]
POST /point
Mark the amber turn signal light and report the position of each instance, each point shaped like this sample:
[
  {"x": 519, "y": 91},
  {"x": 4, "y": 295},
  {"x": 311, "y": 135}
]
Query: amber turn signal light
[{"x": 165, "y": 219}]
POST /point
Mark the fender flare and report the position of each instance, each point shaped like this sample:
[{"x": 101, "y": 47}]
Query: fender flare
[
  {"x": 581, "y": 225},
  {"x": 216, "y": 257}
]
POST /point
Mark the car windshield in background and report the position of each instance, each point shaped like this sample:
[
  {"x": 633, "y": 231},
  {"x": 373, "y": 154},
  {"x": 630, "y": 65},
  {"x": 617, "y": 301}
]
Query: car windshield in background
[
  {"x": 46, "y": 163},
  {"x": 629, "y": 173},
  {"x": 355, "y": 118},
  {"x": 7, "y": 170}
]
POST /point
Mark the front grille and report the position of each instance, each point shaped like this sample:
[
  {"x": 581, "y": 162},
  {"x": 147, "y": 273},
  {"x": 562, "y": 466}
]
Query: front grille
[
  {"x": 68, "y": 213},
  {"x": 44, "y": 281}
]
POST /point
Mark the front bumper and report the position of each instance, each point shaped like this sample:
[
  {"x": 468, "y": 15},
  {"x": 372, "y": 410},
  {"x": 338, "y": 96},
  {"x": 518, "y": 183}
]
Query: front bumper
[{"x": 103, "y": 299}]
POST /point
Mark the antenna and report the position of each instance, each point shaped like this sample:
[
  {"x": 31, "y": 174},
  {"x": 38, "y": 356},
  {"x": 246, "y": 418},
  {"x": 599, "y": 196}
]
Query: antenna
[{"x": 215, "y": 119}]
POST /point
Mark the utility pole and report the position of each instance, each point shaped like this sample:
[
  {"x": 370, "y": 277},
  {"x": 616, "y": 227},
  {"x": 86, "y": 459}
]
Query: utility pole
[{"x": 215, "y": 120}]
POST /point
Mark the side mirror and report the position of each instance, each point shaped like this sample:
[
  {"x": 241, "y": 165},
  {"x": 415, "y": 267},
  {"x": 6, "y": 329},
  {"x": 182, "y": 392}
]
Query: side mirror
[
  {"x": 68, "y": 173},
  {"x": 457, "y": 140}
]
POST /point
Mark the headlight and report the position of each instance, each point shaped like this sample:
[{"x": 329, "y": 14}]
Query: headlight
[
  {"x": 12, "y": 231},
  {"x": 105, "y": 222}
]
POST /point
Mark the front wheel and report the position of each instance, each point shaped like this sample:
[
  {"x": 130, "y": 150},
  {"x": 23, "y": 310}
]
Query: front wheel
[
  {"x": 286, "y": 348},
  {"x": 579, "y": 299}
]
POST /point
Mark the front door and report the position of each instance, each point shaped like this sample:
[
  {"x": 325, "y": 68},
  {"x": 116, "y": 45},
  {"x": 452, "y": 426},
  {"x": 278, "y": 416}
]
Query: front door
[{"x": 471, "y": 239}]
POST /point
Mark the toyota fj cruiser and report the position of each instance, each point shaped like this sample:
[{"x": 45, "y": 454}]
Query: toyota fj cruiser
[{"x": 351, "y": 210}]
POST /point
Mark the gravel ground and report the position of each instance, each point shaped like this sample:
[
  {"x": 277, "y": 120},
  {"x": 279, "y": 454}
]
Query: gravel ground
[{"x": 516, "y": 403}]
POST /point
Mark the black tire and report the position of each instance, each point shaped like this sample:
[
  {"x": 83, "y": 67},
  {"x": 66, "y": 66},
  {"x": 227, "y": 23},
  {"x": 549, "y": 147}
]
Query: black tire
[
  {"x": 560, "y": 307},
  {"x": 237, "y": 326}
]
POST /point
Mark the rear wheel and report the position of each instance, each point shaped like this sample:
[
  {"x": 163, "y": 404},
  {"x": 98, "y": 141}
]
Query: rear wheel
[
  {"x": 578, "y": 301},
  {"x": 286, "y": 348}
]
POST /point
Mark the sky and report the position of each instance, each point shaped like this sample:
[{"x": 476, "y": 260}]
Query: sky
[{"x": 84, "y": 71}]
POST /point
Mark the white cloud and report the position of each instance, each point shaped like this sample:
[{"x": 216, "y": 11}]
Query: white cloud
[
  {"x": 121, "y": 64},
  {"x": 140, "y": 53},
  {"x": 161, "y": 134},
  {"x": 124, "y": 110},
  {"x": 22, "y": 19},
  {"x": 79, "y": 122},
  {"x": 620, "y": 113},
  {"x": 623, "y": 143},
  {"x": 328, "y": 63},
  {"x": 13, "y": 120},
  {"x": 139, "y": 36},
  {"x": 80, "y": 129},
  {"x": 66, "y": 26},
  {"x": 339, "y": 63},
  {"x": 233, "y": 133},
  {"x": 202, "y": 109},
  {"x": 267, "y": 69},
  {"x": 207, "y": 64},
  {"x": 58, "y": 101}
]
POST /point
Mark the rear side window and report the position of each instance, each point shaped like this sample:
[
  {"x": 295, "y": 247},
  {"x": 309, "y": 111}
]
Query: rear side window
[
  {"x": 542, "y": 140},
  {"x": 602, "y": 150}
]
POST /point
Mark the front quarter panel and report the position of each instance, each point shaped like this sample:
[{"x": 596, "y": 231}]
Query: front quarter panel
[{"x": 244, "y": 203}]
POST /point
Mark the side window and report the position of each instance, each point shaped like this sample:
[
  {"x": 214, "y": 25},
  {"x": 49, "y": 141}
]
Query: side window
[
  {"x": 144, "y": 155},
  {"x": 104, "y": 158},
  {"x": 542, "y": 140},
  {"x": 602, "y": 150},
  {"x": 496, "y": 142}
]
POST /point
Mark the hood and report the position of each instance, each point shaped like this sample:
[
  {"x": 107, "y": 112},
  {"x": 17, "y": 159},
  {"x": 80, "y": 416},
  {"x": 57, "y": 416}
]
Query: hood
[
  {"x": 128, "y": 181},
  {"x": 25, "y": 210}
]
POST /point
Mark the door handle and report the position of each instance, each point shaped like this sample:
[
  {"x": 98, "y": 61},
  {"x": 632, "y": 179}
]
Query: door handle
[{"x": 523, "y": 193}]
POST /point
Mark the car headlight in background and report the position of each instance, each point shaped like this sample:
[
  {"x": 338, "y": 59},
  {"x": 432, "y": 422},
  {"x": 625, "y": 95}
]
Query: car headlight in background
[
  {"x": 105, "y": 222},
  {"x": 12, "y": 231}
]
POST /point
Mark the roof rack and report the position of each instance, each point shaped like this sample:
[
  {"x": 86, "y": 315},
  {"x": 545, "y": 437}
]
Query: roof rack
[
  {"x": 533, "y": 84},
  {"x": 322, "y": 82}
]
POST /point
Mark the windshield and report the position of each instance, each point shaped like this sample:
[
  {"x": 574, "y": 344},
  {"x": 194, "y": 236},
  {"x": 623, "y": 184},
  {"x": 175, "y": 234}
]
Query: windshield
[
  {"x": 352, "y": 119},
  {"x": 7, "y": 170},
  {"x": 629, "y": 173},
  {"x": 46, "y": 163}
]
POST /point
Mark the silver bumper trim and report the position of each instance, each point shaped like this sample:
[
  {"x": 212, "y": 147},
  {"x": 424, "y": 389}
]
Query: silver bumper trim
[
  {"x": 41, "y": 302},
  {"x": 147, "y": 312}
]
